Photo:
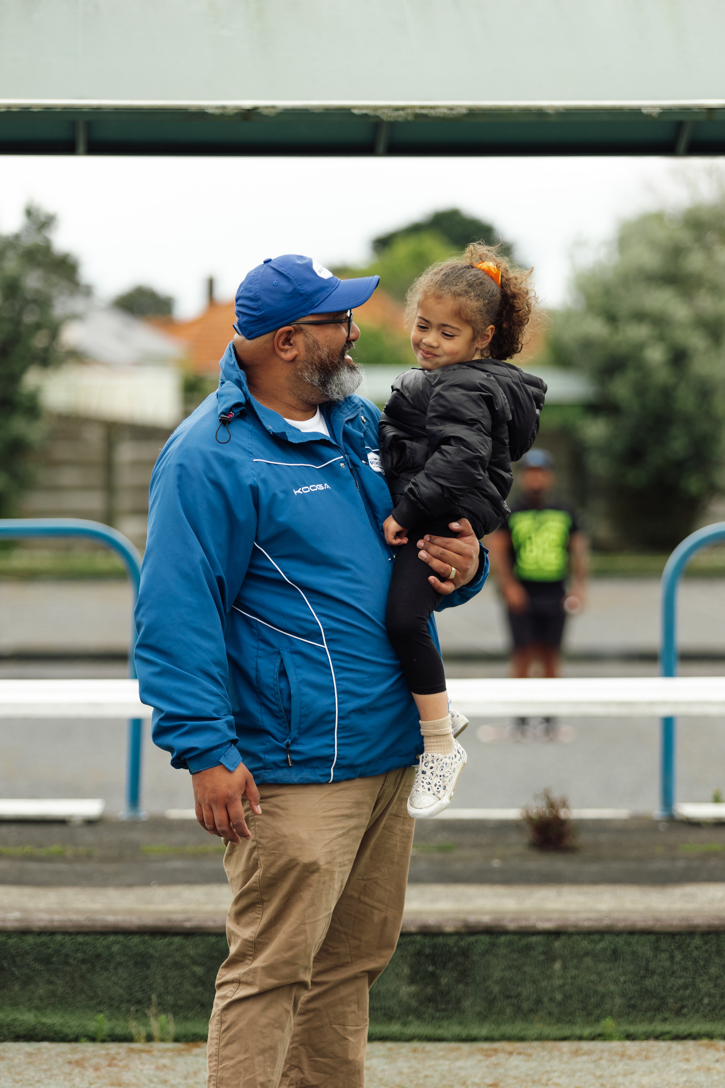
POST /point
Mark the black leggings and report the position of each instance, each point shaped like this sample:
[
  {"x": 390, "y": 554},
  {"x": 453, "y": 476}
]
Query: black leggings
[{"x": 411, "y": 601}]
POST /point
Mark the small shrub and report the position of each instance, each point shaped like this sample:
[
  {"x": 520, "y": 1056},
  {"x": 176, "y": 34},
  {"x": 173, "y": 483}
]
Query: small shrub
[
  {"x": 610, "y": 1031},
  {"x": 138, "y": 1034},
  {"x": 162, "y": 1026},
  {"x": 717, "y": 797},
  {"x": 549, "y": 823}
]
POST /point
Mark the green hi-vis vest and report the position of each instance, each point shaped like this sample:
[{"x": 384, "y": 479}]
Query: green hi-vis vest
[{"x": 540, "y": 540}]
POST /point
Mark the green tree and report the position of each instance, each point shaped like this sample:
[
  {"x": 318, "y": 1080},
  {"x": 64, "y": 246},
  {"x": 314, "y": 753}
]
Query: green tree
[
  {"x": 37, "y": 287},
  {"x": 380, "y": 346},
  {"x": 648, "y": 327},
  {"x": 452, "y": 225},
  {"x": 399, "y": 258},
  {"x": 404, "y": 259},
  {"x": 144, "y": 301}
]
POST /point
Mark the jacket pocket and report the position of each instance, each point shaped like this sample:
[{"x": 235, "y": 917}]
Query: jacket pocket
[{"x": 287, "y": 693}]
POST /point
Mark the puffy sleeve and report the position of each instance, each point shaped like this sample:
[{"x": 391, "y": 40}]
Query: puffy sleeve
[{"x": 459, "y": 427}]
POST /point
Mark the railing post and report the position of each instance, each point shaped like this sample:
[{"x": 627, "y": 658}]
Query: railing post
[
  {"x": 29, "y": 528},
  {"x": 669, "y": 656}
]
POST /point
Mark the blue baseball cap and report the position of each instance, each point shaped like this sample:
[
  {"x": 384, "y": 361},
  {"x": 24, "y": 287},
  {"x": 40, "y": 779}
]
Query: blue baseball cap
[
  {"x": 537, "y": 459},
  {"x": 283, "y": 289}
]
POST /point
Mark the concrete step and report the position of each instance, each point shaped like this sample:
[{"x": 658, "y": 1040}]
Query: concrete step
[{"x": 443, "y": 908}]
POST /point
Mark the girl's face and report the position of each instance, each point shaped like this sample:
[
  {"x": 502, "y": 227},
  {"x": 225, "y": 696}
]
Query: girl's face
[{"x": 440, "y": 337}]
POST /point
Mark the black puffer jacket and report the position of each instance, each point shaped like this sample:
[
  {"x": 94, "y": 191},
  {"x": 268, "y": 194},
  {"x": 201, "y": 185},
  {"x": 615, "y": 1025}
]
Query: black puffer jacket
[{"x": 448, "y": 437}]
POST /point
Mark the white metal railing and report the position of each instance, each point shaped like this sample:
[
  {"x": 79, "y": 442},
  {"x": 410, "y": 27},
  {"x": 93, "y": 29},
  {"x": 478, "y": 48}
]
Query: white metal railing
[
  {"x": 595, "y": 697},
  {"x": 580, "y": 697}
]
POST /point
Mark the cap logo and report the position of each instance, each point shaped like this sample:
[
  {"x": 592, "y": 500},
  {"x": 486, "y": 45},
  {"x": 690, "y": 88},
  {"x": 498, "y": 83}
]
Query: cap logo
[{"x": 322, "y": 272}]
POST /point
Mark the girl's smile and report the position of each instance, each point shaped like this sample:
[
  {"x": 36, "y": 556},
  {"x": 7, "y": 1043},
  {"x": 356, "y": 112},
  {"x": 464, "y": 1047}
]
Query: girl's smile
[{"x": 440, "y": 336}]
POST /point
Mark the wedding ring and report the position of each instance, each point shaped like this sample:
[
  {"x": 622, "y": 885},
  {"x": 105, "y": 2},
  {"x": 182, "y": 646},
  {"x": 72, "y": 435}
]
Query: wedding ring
[{"x": 452, "y": 575}]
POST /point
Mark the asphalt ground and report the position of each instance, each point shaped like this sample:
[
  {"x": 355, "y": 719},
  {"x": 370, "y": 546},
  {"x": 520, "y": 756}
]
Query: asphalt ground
[
  {"x": 697, "y": 1064},
  {"x": 39, "y": 617},
  {"x": 159, "y": 851}
]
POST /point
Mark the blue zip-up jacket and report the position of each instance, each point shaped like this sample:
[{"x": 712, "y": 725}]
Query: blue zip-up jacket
[{"x": 261, "y": 615}]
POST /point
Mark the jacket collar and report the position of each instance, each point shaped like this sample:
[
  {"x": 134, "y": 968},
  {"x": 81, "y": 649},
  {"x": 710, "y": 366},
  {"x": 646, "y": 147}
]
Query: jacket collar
[{"x": 233, "y": 397}]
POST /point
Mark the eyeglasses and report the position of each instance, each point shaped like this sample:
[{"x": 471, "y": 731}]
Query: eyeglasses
[
  {"x": 338, "y": 321},
  {"x": 347, "y": 319}
]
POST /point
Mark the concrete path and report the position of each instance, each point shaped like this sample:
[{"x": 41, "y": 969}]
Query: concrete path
[
  {"x": 390, "y": 1065},
  {"x": 199, "y": 907},
  {"x": 621, "y": 618}
]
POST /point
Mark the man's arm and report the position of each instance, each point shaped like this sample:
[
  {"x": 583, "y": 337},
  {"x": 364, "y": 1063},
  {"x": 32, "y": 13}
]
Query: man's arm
[
  {"x": 199, "y": 543},
  {"x": 511, "y": 590},
  {"x": 579, "y": 559}
]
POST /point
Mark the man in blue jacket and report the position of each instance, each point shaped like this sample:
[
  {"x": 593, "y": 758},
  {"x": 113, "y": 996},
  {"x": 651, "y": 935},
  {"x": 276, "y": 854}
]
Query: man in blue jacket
[{"x": 262, "y": 646}]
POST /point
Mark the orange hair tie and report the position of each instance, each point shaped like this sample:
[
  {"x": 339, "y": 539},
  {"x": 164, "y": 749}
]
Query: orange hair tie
[{"x": 491, "y": 270}]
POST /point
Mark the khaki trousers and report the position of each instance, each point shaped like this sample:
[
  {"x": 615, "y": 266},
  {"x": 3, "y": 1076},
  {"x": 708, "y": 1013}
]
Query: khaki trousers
[{"x": 318, "y": 903}]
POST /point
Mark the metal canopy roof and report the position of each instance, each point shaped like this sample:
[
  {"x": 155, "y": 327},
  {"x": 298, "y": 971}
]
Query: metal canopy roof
[{"x": 333, "y": 77}]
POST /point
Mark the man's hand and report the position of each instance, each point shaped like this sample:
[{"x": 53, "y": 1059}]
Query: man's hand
[
  {"x": 218, "y": 801},
  {"x": 445, "y": 554},
  {"x": 395, "y": 534},
  {"x": 515, "y": 596},
  {"x": 575, "y": 598}
]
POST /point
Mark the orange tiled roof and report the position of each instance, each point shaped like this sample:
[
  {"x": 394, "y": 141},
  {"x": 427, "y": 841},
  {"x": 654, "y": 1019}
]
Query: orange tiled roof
[
  {"x": 207, "y": 335},
  {"x": 381, "y": 309}
]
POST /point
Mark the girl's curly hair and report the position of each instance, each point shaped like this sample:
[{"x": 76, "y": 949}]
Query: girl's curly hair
[{"x": 481, "y": 302}]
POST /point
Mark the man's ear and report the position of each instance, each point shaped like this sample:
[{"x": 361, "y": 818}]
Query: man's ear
[{"x": 284, "y": 343}]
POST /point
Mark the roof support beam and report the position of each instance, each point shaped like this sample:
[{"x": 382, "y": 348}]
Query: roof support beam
[
  {"x": 81, "y": 131},
  {"x": 684, "y": 135},
  {"x": 382, "y": 137},
  {"x": 314, "y": 128}
]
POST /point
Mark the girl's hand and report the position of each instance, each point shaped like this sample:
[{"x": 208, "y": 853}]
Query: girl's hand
[{"x": 395, "y": 534}]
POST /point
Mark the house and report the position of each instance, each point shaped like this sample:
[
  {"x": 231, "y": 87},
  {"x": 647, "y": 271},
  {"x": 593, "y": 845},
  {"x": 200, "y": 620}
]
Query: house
[{"x": 107, "y": 414}]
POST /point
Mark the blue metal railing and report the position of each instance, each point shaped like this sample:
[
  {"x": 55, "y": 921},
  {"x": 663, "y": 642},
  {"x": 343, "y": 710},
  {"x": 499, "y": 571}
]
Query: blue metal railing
[
  {"x": 668, "y": 652},
  {"x": 27, "y": 528}
]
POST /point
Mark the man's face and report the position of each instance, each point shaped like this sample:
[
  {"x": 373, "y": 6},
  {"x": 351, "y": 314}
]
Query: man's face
[
  {"x": 325, "y": 369},
  {"x": 536, "y": 482}
]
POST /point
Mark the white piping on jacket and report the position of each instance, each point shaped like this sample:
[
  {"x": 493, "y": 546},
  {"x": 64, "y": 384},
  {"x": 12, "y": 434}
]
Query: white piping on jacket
[
  {"x": 295, "y": 464},
  {"x": 288, "y": 633},
  {"x": 324, "y": 641}
]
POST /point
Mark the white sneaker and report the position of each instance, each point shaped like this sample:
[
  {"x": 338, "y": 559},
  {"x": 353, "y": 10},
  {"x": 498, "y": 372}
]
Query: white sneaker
[
  {"x": 435, "y": 782},
  {"x": 458, "y": 721}
]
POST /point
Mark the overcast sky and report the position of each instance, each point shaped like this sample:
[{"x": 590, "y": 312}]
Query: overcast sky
[{"x": 172, "y": 222}]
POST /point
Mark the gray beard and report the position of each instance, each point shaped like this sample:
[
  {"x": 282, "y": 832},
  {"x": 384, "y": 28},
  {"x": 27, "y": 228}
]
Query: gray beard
[{"x": 334, "y": 378}]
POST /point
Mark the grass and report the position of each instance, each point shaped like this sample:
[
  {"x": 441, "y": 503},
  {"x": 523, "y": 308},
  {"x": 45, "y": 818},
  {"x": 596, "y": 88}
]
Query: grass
[
  {"x": 434, "y": 847},
  {"x": 47, "y": 851},
  {"x": 116, "y": 987},
  {"x": 25, "y": 563},
  {"x": 702, "y": 847},
  {"x": 162, "y": 848},
  {"x": 709, "y": 563},
  {"x": 29, "y": 563}
]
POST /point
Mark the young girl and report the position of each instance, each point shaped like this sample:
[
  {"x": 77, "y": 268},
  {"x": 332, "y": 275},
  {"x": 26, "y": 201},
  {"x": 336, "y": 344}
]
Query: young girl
[{"x": 448, "y": 436}]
